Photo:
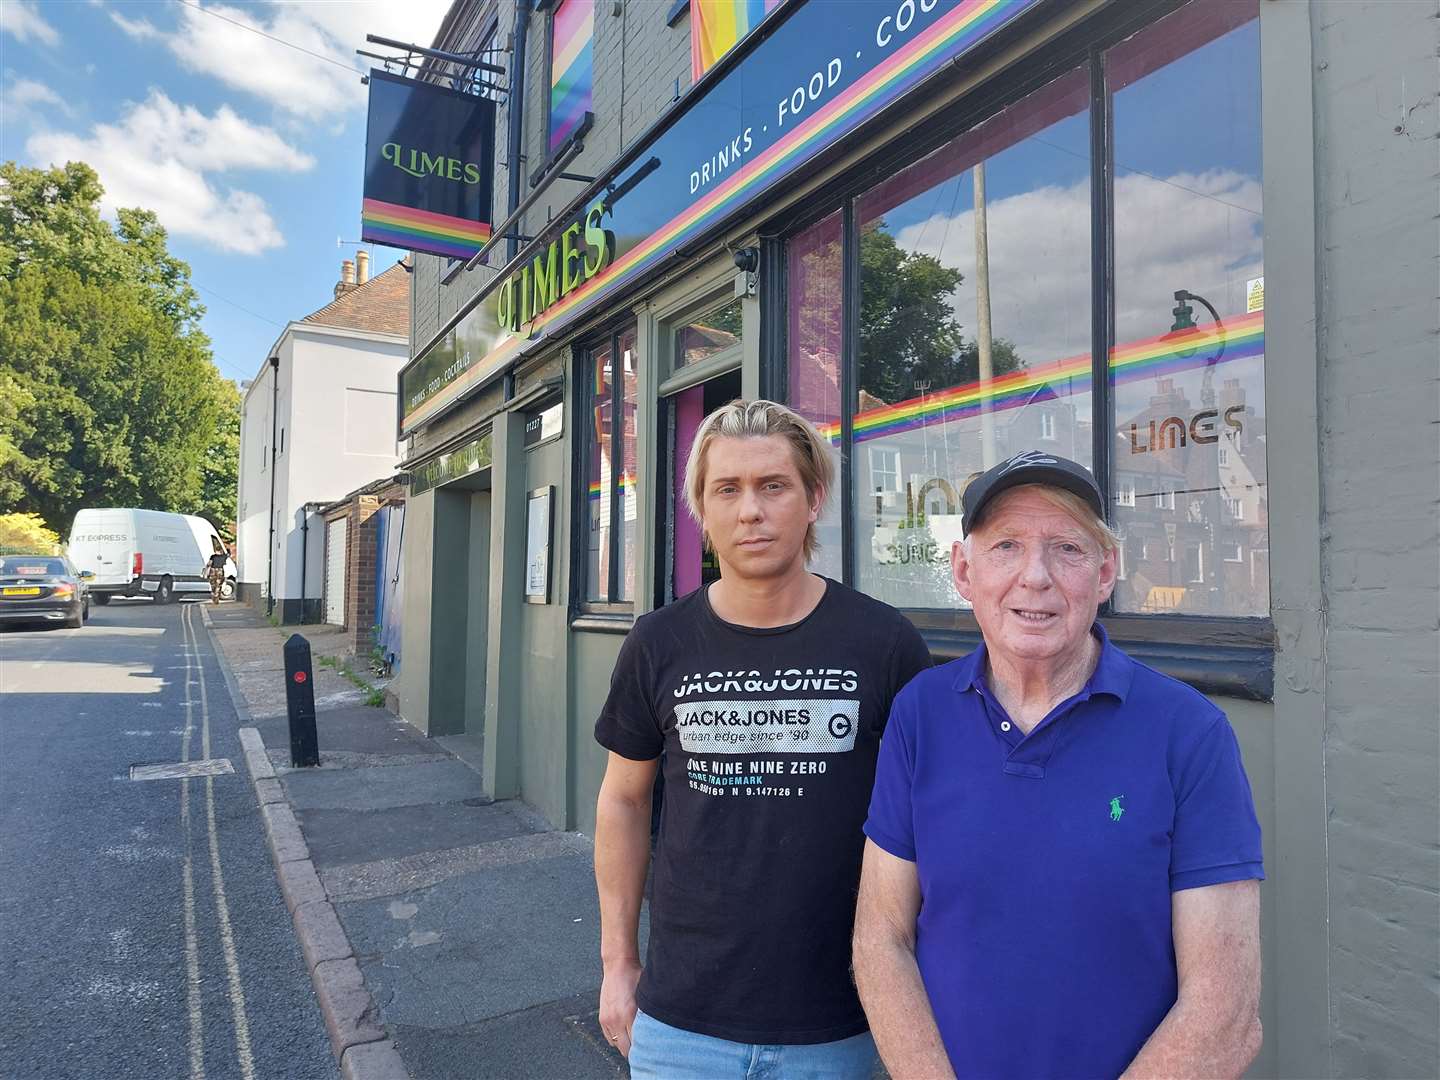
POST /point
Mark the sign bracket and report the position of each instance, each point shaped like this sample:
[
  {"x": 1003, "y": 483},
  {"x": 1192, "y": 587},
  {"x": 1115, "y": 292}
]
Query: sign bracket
[{"x": 467, "y": 74}]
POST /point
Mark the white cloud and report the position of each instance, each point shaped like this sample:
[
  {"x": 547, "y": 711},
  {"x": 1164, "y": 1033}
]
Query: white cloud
[
  {"x": 160, "y": 157},
  {"x": 21, "y": 18},
  {"x": 139, "y": 29},
  {"x": 226, "y": 43},
  {"x": 1200, "y": 233},
  {"x": 29, "y": 92}
]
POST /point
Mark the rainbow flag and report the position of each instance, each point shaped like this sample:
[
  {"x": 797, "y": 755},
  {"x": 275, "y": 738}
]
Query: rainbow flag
[
  {"x": 1144, "y": 359},
  {"x": 572, "y": 67},
  {"x": 716, "y": 27},
  {"x": 421, "y": 230}
]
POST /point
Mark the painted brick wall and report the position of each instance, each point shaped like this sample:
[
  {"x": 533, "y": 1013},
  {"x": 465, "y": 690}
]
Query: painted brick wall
[{"x": 1376, "y": 129}]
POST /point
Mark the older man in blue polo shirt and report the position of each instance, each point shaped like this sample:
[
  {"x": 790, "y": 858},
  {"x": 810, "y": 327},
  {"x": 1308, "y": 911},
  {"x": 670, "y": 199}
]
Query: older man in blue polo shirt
[{"x": 1062, "y": 869}]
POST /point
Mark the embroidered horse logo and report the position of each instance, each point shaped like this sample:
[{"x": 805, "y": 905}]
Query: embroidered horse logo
[{"x": 1116, "y": 810}]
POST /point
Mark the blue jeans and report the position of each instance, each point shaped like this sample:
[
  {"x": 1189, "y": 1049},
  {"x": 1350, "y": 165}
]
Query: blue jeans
[{"x": 661, "y": 1052}]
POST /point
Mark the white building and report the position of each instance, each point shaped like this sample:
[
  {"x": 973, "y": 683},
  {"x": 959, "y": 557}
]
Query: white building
[{"x": 317, "y": 421}]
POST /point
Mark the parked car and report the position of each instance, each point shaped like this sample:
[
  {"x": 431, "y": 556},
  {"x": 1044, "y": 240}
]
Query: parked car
[
  {"x": 43, "y": 588},
  {"x": 145, "y": 553}
]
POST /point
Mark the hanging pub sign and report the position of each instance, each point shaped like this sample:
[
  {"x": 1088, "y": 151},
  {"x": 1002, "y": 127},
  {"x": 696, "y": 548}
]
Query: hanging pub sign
[
  {"x": 821, "y": 73},
  {"x": 428, "y": 167}
]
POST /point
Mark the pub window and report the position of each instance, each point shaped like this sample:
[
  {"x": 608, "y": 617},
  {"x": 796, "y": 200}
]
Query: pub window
[
  {"x": 1187, "y": 364},
  {"x": 954, "y": 368},
  {"x": 977, "y": 321},
  {"x": 813, "y": 266},
  {"x": 572, "y": 71},
  {"x": 713, "y": 336},
  {"x": 611, "y": 500}
]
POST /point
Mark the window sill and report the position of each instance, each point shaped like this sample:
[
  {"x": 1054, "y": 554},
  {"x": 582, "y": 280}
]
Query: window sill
[
  {"x": 1223, "y": 657},
  {"x": 595, "y": 622}
]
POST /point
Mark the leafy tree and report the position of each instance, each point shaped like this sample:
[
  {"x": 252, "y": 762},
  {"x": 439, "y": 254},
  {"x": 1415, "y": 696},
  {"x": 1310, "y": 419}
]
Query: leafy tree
[
  {"x": 221, "y": 466},
  {"x": 908, "y": 329},
  {"x": 26, "y": 534},
  {"x": 115, "y": 397}
]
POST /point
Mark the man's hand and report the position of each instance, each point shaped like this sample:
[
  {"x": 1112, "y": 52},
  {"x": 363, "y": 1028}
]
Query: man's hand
[
  {"x": 622, "y": 855},
  {"x": 886, "y": 974},
  {"x": 617, "y": 1004}
]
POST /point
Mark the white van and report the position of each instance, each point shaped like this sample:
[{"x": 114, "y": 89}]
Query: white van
[{"x": 145, "y": 553}]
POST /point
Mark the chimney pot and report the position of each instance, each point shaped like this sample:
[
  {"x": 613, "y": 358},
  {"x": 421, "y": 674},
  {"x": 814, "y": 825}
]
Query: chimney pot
[
  {"x": 347, "y": 273},
  {"x": 362, "y": 267}
]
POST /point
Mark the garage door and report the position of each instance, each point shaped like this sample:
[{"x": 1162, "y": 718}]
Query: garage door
[{"x": 335, "y": 571}]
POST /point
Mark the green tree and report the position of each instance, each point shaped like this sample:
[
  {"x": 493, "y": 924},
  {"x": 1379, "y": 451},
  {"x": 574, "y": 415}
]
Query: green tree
[
  {"x": 26, "y": 534},
  {"x": 119, "y": 399},
  {"x": 908, "y": 330},
  {"x": 221, "y": 466}
]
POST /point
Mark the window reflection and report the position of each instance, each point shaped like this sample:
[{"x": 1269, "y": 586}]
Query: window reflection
[
  {"x": 814, "y": 272},
  {"x": 610, "y": 468},
  {"x": 974, "y": 331},
  {"x": 601, "y": 471},
  {"x": 629, "y": 504},
  {"x": 1187, "y": 369},
  {"x": 716, "y": 333}
]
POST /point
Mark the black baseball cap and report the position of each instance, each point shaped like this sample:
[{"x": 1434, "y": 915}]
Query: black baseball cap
[{"x": 1028, "y": 467}]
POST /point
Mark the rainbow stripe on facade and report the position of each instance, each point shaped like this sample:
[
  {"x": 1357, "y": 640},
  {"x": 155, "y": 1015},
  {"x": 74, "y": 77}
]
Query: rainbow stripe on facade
[
  {"x": 910, "y": 65},
  {"x": 572, "y": 67},
  {"x": 1145, "y": 359},
  {"x": 717, "y": 26},
  {"x": 421, "y": 230}
]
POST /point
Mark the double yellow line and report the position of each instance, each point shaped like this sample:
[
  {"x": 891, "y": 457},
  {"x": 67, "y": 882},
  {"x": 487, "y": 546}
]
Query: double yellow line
[{"x": 195, "y": 676}]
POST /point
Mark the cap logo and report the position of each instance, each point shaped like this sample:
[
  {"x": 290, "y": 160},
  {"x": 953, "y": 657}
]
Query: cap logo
[{"x": 1029, "y": 457}]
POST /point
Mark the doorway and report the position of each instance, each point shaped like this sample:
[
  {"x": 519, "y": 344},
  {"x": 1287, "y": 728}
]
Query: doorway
[{"x": 689, "y": 564}]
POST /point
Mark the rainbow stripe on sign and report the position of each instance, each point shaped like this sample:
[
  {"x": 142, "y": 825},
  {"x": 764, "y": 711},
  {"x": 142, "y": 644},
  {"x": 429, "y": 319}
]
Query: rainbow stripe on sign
[
  {"x": 950, "y": 35},
  {"x": 572, "y": 67},
  {"x": 404, "y": 226},
  {"x": 1144, "y": 359},
  {"x": 717, "y": 26}
]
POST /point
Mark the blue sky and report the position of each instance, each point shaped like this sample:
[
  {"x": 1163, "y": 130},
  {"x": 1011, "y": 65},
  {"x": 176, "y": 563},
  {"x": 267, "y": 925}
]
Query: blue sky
[{"x": 249, "y": 151}]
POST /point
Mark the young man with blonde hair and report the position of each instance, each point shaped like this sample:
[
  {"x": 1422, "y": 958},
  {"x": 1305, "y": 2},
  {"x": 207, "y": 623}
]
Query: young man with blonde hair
[{"x": 767, "y": 693}]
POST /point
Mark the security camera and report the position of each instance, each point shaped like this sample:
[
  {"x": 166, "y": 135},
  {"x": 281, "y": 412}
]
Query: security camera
[{"x": 747, "y": 259}]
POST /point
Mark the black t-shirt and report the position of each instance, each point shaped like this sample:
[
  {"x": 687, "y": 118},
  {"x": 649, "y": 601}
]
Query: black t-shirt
[
  {"x": 217, "y": 561},
  {"x": 770, "y": 738}
]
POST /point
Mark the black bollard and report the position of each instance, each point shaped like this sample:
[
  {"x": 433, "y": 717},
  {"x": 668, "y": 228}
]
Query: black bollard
[{"x": 300, "y": 703}]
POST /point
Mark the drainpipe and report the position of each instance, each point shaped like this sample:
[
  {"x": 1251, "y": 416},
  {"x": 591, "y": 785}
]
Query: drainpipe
[
  {"x": 517, "y": 114},
  {"x": 274, "y": 427},
  {"x": 304, "y": 558}
]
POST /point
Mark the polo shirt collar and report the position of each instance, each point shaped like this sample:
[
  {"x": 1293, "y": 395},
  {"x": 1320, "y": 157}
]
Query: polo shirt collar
[{"x": 1113, "y": 674}]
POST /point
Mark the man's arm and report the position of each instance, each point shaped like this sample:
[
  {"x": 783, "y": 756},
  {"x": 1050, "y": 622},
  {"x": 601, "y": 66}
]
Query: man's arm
[
  {"x": 1213, "y": 1029},
  {"x": 622, "y": 856},
  {"x": 885, "y": 970}
]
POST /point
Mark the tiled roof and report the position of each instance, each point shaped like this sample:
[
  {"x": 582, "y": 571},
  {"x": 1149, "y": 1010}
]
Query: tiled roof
[{"x": 381, "y": 305}]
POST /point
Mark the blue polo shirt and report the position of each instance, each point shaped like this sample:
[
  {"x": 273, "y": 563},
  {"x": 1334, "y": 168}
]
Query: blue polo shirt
[{"x": 1046, "y": 861}]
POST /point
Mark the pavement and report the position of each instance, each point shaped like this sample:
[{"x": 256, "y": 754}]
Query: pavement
[{"x": 447, "y": 934}]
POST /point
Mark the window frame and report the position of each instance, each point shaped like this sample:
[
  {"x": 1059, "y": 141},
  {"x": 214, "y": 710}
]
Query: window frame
[
  {"x": 1229, "y": 655},
  {"x": 609, "y": 614}
]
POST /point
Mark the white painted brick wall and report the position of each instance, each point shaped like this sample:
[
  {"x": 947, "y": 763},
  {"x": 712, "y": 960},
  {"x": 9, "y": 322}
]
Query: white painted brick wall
[{"x": 1376, "y": 124}]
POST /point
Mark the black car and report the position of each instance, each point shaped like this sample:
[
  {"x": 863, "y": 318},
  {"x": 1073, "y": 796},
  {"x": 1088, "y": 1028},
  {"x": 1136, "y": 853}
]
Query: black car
[{"x": 43, "y": 588}]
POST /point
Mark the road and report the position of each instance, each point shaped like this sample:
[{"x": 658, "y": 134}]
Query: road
[{"x": 142, "y": 932}]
